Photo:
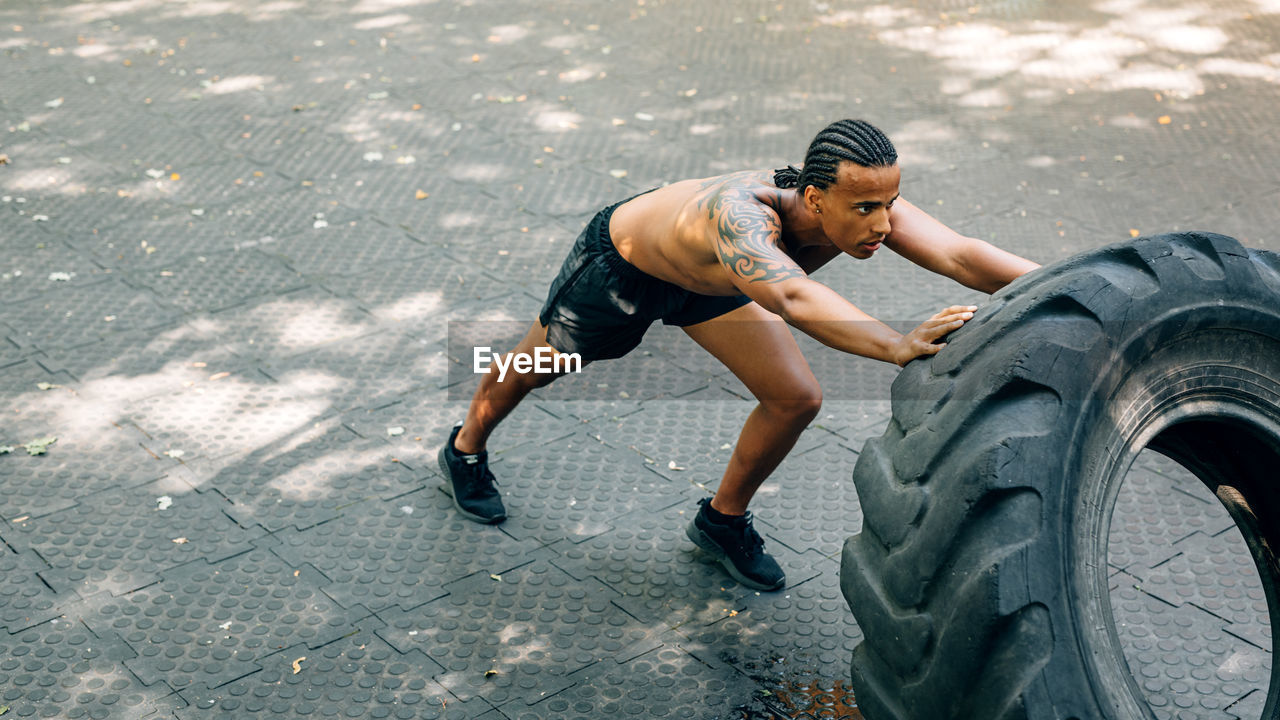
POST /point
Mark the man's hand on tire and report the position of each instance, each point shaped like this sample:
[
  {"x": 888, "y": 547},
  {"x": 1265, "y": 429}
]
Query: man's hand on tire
[{"x": 921, "y": 341}]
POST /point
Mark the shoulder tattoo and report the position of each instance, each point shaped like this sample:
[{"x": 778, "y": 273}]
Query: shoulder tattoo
[{"x": 746, "y": 236}]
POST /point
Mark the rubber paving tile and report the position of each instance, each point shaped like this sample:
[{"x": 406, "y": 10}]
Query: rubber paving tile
[
  {"x": 357, "y": 676},
  {"x": 576, "y": 487},
  {"x": 307, "y": 477},
  {"x": 361, "y": 372},
  {"x": 221, "y": 280},
  {"x": 401, "y": 552},
  {"x": 207, "y": 624},
  {"x": 127, "y": 367},
  {"x": 1154, "y": 511},
  {"x": 1214, "y": 574},
  {"x": 40, "y": 261},
  {"x": 95, "y": 452},
  {"x": 313, "y": 318},
  {"x": 517, "y": 635},
  {"x": 120, "y": 540},
  {"x": 80, "y": 315},
  {"x": 665, "y": 680},
  {"x": 62, "y": 669},
  {"x": 25, "y": 601},
  {"x": 1183, "y": 660}
]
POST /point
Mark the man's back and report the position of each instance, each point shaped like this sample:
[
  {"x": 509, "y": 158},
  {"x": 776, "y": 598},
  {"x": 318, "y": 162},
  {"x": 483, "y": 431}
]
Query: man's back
[{"x": 671, "y": 232}]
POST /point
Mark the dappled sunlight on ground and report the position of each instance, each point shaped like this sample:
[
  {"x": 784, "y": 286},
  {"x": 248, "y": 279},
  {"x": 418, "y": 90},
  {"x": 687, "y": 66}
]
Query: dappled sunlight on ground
[
  {"x": 1131, "y": 44},
  {"x": 312, "y": 478}
]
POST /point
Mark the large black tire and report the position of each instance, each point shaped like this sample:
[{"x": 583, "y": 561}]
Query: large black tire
[{"x": 979, "y": 578}]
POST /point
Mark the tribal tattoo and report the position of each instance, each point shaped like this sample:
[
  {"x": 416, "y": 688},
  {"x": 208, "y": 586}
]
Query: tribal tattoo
[{"x": 747, "y": 231}]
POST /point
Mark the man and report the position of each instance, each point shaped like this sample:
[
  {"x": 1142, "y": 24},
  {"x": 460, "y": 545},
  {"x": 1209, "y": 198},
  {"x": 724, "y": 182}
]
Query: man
[{"x": 729, "y": 259}]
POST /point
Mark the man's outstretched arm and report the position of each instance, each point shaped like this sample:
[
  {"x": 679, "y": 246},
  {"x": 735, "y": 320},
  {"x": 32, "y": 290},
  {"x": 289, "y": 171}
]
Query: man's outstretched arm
[
  {"x": 748, "y": 248},
  {"x": 934, "y": 246}
]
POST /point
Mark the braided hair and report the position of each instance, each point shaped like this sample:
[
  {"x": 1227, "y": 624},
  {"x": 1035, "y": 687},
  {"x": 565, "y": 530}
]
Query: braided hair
[{"x": 857, "y": 141}]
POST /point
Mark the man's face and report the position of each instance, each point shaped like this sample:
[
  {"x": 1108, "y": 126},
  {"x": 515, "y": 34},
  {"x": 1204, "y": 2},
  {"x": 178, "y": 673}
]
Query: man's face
[{"x": 855, "y": 209}]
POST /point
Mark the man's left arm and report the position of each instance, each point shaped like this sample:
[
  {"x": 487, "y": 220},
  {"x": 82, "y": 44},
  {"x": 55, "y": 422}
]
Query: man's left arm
[{"x": 934, "y": 246}]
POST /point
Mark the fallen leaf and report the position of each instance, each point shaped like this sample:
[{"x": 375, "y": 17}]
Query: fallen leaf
[
  {"x": 1133, "y": 233},
  {"x": 297, "y": 664},
  {"x": 175, "y": 176},
  {"x": 39, "y": 447},
  {"x": 1164, "y": 120},
  {"x": 4, "y": 159},
  {"x": 420, "y": 195}
]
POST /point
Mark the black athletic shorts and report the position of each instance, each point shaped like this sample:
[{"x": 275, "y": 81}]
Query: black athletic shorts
[{"x": 600, "y": 305}]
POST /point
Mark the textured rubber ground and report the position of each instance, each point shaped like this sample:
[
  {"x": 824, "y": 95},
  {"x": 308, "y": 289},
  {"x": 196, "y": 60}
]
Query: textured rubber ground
[{"x": 950, "y": 578}]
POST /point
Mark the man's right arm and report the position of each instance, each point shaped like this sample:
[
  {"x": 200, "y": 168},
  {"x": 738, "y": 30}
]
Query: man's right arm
[{"x": 748, "y": 248}]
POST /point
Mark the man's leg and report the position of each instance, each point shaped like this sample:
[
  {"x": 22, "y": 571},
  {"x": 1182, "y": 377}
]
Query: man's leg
[
  {"x": 784, "y": 385},
  {"x": 493, "y": 400},
  {"x": 757, "y": 346},
  {"x": 463, "y": 458}
]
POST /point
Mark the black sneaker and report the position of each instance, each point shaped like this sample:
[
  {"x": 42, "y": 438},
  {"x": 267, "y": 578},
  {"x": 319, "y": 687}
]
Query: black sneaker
[
  {"x": 739, "y": 549},
  {"x": 474, "y": 493}
]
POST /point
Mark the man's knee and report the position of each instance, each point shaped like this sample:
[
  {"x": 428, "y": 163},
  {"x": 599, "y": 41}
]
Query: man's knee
[{"x": 800, "y": 403}]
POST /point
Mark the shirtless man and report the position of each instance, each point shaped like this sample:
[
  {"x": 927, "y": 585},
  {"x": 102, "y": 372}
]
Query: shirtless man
[{"x": 729, "y": 259}]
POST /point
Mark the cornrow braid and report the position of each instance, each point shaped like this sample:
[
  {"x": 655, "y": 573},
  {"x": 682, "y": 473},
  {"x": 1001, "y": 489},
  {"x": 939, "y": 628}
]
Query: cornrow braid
[{"x": 856, "y": 141}]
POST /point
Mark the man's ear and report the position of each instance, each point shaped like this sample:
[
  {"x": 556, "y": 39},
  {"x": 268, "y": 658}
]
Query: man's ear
[{"x": 813, "y": 198}]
